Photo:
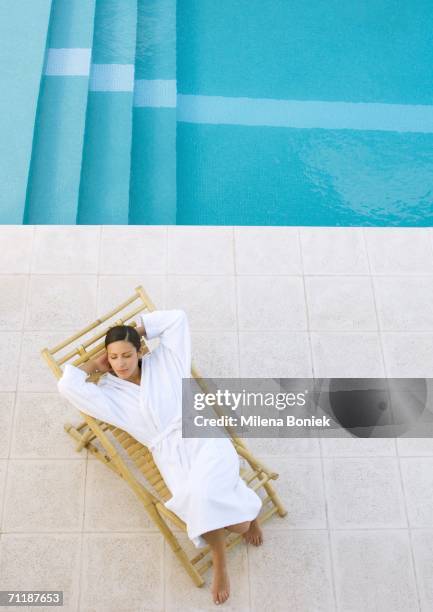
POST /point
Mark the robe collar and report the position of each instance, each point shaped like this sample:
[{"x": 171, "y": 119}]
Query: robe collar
[{"x": 117, "y": 382}]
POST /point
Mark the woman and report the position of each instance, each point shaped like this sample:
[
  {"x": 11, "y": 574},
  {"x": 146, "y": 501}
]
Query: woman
[{"x": 143, "y": 396}]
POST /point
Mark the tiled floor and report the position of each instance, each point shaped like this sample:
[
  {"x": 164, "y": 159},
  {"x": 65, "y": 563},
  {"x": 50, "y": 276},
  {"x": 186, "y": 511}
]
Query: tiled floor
[{"x": 261, "y": 301}]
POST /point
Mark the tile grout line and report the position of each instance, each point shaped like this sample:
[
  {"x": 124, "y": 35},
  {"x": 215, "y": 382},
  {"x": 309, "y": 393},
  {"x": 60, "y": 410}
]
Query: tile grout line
[
  {"x": 408, "y": 529},
  {"x": 430, "y": 236},
  {"x": 328, "y": 530},
  {"x": 36, "y": 458},
  {"x": 261, "y": 331},
  {"x": 405, "y": 275},
  {"x": 164, "y": 570},
  {"x": 336, "y": 275},
  {"x": 272, "y": 529},
  {"x": 236, "y": 298},
  {"x": 255, "y": 274},
  {"x": 164, "y": 306},
  {"x": 86, "y": 464},
  {"x": 236, "y": 290},
  {"x": 379, "y": 327},
  {"x": 385, "y": 370},
  {"x": 322, "y": 466},
  {"x": 270, "y": 331},
  {"x": 308, "y": 328},
  {"x": 373, "y": 290},
  {"x": 15, "y": 392},
  {"x": 81, "y": 532},
  {"x": 166, "y": 266},
  {"x": 248, "y": 578},
  {"x": 98, "y": 270}
]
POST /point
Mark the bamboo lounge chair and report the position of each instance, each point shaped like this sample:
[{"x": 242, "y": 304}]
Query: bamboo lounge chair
[{"x": 121, "y": 452}]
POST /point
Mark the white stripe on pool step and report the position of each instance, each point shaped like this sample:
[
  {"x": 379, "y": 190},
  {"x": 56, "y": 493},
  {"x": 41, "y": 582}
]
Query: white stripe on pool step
[
  {"x": 217, "y": 110},
  {"x": 68, "y": 62},
  {"x": 305, "y": 114},
  {"x": 156, "y": 93},
  {"x": 112, "y": 77}
]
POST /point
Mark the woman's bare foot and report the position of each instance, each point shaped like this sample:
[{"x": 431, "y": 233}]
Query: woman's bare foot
[
  {"x": 254, "y": 535},
  {"x": 220, "y": 584}
]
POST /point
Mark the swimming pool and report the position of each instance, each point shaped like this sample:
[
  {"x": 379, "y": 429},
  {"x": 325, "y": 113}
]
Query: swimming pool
[{"x": 220, "y": 113}]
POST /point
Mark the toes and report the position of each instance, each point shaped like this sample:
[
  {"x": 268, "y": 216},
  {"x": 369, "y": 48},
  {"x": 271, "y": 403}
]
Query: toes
[
  {"x": 256, "y": 539},
  {"x": 221, "y": 597}
]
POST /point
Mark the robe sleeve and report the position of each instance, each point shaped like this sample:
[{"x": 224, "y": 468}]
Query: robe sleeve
[
  {"x": 172, "y": 328},
  {"x": 88, "y": 397}
]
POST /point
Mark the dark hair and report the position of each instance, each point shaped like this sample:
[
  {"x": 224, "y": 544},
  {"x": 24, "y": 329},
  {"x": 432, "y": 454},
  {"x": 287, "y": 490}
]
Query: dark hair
[{"x": 124, "y": 332}]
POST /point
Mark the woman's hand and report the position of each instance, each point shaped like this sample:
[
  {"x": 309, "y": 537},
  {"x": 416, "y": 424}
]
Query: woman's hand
[
  {"x": 140, "y": 330},
  {"x": 101, "y": 363}
]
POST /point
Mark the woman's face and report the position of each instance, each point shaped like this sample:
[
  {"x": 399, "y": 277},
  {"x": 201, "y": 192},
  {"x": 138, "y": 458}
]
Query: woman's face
[{"x": 123, "y": 358}]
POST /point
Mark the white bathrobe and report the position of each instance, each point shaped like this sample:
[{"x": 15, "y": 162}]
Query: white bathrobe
[{"x": 201, "y": 473}]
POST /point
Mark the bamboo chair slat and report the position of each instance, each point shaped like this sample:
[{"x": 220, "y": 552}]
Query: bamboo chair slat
[
  {"x": 160, "y": 486},
  {"x": 139, "y": 454},
  {"x": 99, "y": 321},
  {"x": 111, "y": 439},
  {"x": 122, "y": 436},
  {"x": 154, "y": 479},
  {"x": 250, "y": 476},
  {"x": 141, "y": 462},
  {"x": 129, "y": 442},
  {"x": 150, "y": 470},
  {"x": 260, "y": 483},
  {"x": 134, "y": 448},
  {"x": 165, "y": 495}
]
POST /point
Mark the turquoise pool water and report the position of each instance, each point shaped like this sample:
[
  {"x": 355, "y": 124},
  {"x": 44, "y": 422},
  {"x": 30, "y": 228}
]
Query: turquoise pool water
[{"x": 220, "y": 113}]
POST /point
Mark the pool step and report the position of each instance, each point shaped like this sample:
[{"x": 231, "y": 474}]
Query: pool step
[
  {"x": 106, "y": 164},
  {"x": 23, "y": 36},
  {"x": 54, "y": 179}
]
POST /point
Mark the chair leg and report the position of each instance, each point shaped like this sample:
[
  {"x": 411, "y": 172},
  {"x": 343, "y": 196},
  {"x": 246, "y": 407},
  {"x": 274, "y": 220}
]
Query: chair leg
[
  {"x": 150, "y": 507},
  {"x": 275, "y": 498},
  {"x": 175, "y": 545}
]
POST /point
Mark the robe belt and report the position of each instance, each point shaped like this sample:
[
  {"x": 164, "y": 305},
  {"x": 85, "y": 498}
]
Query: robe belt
[{"x": 174, "y": 425}]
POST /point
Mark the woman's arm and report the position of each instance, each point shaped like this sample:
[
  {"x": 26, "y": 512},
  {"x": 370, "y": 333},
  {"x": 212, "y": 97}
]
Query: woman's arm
[
  {"x": 141, "y": 330},
  {"x": 171, "y": 326},
  {"x": 162, "y": 323},
  {"x": 88, "y": 366},
  {"x": 88, "y": 397},
  {"x": 96, "y": 364}
]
